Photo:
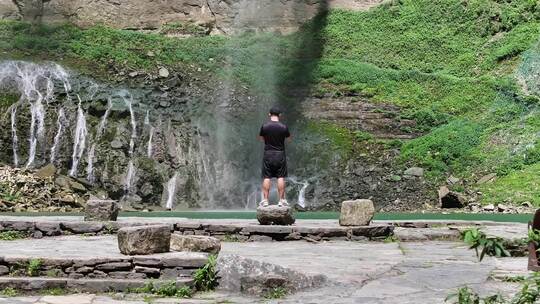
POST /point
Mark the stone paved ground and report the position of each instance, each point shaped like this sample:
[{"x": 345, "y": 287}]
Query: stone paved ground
[{"x": 357, "y": 272}]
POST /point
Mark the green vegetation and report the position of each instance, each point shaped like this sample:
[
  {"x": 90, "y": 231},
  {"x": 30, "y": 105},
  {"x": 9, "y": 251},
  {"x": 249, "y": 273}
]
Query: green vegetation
[
  {"x": 167, "y": 289},
  {"x": 276, "y": 293},
  {"x": 450, "y": 65},
  {"x": 55, "y": 291},
  {"x": 34, "y": 265},
  {"x": 11, "y": 235},
  {"x": 6, "y": 194},
  {"x": 528, "y": 294},
  {"x": 206, "y": 277},
  {"x": 477, "y": 240},
  {"x": 9, "y": 292}
]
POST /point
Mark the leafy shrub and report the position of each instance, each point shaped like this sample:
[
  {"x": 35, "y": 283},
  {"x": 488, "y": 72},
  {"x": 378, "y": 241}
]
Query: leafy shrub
[
  {"x": 33, "y": 267},
  {"x": 206, "y": 277},
  {"x": 276, "y": 293},
  {"x": 9, "y": 292},
  {"x": 449, "y": 147},
  {"x": 478, "y": 240},
  {"x": 11, "y": 235},
  {"x": 464, "y": 295}
]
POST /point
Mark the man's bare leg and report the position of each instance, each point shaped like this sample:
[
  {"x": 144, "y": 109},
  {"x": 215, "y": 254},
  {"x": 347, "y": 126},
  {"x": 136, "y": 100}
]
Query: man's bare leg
[
  {"x": 281, "y": 188},
  {"x": 266, "y": 189}
]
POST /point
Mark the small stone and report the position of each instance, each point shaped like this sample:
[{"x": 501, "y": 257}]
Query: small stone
[
  {"x": 527, "y": 204},
  {"x": 275, "y": 215},
  {"x": 144, "y": 239},
  {"x": 356, "y": 213},
  {"x": 147, "y": 270},
  {"x": 47, "y": 171},
  {"x": 133, "y": 74},
  {"x": 37, "y": 234},
  {"x": 489, "y": 208},
  {"x": 502, "y": 207},
  {"x": 414, "y": 171},
  {"x": 150, "y": 54},
  {"x": 451, "y": 199},
  {"x": 163, "y": 73},
  {"x": 486, "y": 178},
  {"x": 452, "y": 180},
  {"x": 84, "y": 269},
  {"x": 115, "y": 266},
  {"x": 116, "y": 144},
  {"x": 475, "y": 207},
  {"x": 77, "y": 186},
  {"x": 4, "y": 270},
  {"x": 101, "y": 210},
  {"x": 260, "y": 238},
  {"x": 198, "y": 243}
]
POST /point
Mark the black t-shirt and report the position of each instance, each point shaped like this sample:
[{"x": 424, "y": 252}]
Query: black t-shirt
[{"x": 274, "y": 133}]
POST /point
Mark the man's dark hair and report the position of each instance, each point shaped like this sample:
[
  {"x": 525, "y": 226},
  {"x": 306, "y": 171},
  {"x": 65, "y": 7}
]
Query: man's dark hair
[{"x": 275, "y": 110}]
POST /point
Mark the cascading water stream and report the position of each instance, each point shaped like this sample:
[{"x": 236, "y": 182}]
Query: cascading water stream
[
  {"x": 15, "y": 139},
  {"x": 302, "y": 192},
  {"x": 171, "y": 191},
  {"x": 79, "y": 141},
  {"x": 60, "y": 121},
  {"x": 91, "y": 153},
  {"x": 35, "y": 84},
  {"x": 149, "y": 145},
  {"x": 131, "y": 170}
]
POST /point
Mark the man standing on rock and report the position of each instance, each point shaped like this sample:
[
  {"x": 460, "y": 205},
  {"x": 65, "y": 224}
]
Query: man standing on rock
[{"x": 274, "y": 133}]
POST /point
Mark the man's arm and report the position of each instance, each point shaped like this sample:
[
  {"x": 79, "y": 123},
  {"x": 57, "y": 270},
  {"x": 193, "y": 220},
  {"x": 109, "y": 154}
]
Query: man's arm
[{"x": 261, "y": 135}]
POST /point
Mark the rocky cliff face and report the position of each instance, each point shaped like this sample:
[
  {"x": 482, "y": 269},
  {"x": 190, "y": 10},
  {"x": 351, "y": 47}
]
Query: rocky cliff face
[{"x": 216, "y": 16}]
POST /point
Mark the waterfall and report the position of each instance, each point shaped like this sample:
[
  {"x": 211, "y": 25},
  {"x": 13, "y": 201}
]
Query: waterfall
[
  {"x": 130, "y": 177},
  {"x": 149, "y": 146},
  {"x": 103, "y": 122},
  {"x": 128, "y": 100},
  {"x": 60, "y": 124},
  {"x": 90, "y": 164},
  {"x": 171, "y": 191},
  {"x": 15, "y": 139},
  {"x": 37, "y": 126},
  {"x": 91, "y": 153},
  {"x": 302, "y": 193},
  {"x": 79, "y": 141},
  {"x": 36, "y": 85},
  {"x": 147, "y": 118}
]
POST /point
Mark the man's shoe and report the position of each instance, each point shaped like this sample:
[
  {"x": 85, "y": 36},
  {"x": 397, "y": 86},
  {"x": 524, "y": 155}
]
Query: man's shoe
[
  {"x": 283, "y": 203},
  {"x": 263, "y": 203}
]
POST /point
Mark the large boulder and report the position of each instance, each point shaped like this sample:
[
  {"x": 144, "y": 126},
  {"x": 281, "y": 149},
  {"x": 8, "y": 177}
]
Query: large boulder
[
  {"x": 356, "y": 213},
  {"x": 451, "y": 199},
  {"x": 197, "y": 243},
  {"x": 101, "y": 210},
  {"x": 275, "y": 215},
  {"x": 141, "y": 240}
]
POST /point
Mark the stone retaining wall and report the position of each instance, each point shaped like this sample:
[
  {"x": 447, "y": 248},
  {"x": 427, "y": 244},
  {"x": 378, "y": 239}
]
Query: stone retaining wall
[
  {"x": 173, "y": 266},
  {"x": 226, "y": 232}
]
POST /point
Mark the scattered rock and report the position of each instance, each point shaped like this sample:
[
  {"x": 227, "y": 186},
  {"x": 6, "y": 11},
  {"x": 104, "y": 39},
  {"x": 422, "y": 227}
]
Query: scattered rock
[
  {"x": 4, "y": 270},
  {"x": 116, "y": 144},
  {"x": 502, "y": 208},
  {"x": 414, "y": 171},
  {"x": 275, "y": 215},
  {"x": 475, "y": 207},
  {"x": 47, "y": 171},
  {"x": 452, "y": 180},
  {"x": 489, "y": 208},
  {"x": 527, "y": 204},
  {"x": 261, "y": 285},
  {"x": 133, "y": 74},
  {"x": 101, "y": 210},
  {"x": 356, "y": 213},
  {"x": 144, "y": 239},
  {"x": 451, "y": 199},
  {"x": 163, "y": 73},
  {"x": 198, "y": 243},
  {"x": 486, "y": 178}
]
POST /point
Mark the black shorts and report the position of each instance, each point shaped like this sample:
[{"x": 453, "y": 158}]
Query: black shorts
[{"x": 274, "y": 164}]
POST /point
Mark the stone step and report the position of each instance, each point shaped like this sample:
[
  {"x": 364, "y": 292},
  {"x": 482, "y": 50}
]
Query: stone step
[{"x": 29, "y": 284}]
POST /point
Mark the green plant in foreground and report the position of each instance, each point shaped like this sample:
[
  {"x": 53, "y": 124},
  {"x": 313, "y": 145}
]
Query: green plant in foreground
[
  {"x": 276, "y": 293},
  {"x": 11, "y": 235},
  {"x": 206, "y": 277},
  {"x": 391, "y": 239},
  {"x": 55, "y": 291},
  {"x": 33, "y": 267},
  {"x": 533, "y": 236},
  {"x": 9, "y": 292},
  {"x": 478, "y": 240},
  {"x": 464, "y": 295}
]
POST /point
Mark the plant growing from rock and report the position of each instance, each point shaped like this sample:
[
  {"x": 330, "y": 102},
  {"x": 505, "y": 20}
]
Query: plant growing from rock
[
  {"x": 9, "y": 292},
  {"x": 464, "y": 295},
  {"x": 276, "y": 293},
  {"x": 533, "y": 236},
  {"x": 206, "y": 277},
  {"x": 11, "y": 235},
  {"x": 33, "y": 267},
  {"x": 483, "y": 244}
]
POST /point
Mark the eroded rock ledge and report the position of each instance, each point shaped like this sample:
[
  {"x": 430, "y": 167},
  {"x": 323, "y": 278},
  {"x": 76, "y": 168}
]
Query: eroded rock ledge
[{"x": 218, "y": 17}]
